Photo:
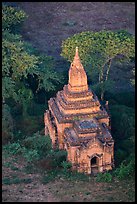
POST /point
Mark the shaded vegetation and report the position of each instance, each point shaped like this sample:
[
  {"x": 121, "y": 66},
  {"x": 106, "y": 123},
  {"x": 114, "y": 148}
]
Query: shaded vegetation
[{"x": 25, "y": 73}]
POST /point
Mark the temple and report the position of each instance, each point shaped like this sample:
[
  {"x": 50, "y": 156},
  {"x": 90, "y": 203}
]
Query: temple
[{"x": 78, "y": 123}]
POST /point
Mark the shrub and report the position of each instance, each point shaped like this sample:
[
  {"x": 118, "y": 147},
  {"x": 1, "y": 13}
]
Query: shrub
[
  {"x": 29, "y": 125},
  {"x": 14, "y": 149},
  {"x": 104, "y": 177},
  {"x": 9, "y": 181},
  {"x": 66, "y": 165},
  {"x": 77, "y": 176},
  {"x": 125, "y": 170},
  {"x": 31, "y": 155},
  {"x": 57, "y": 157},
  {"x": 39, "y": 143},
  {"x": 49, "y": 176}
]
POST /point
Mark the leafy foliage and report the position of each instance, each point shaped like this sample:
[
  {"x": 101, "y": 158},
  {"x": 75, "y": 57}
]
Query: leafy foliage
[
  {"x": 98, "y": 50},
  {"x": 15, "y": 180},
  {"x": 39, "y": 143},
  {"x": 13, "y": 148},
  {"x": 104, "y": 177},
  {"x": 21, "y": 61},
  {"x": 125, "y": 170},
  {"x": 66, "y": 165},
  {"x": 48, "y": 78},
  {"x": 11, "y": 16}
]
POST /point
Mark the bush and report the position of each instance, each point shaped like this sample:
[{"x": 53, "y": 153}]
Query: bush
[
  {"x": 39, "y": 143},
  {"x": 9, "y": 181},
  {"x": 31, "y": 155},
  {"x": 66, "y": 165},
  {"x": 29, "y": 125},
  {"x": 104, "y": 177},
  {"x": 57, "y": 157},
  {"x": 14, "y": 149},
  {"x": 49, "y": 176},
  {"x": 125, "y": 170},
  {"x": 76, "y": 176},
  {"x": 31, "y": 148}
]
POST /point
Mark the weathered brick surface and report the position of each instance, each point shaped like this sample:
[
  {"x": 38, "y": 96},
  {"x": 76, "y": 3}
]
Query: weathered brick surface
[{"x": 76, "y": 122}]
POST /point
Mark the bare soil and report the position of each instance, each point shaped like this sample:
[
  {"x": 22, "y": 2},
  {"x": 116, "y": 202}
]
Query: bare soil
[
  {"x": 49, "y": 23},
  {"x": 31, "y": 190},
  {"x": 60, "y": 190}
]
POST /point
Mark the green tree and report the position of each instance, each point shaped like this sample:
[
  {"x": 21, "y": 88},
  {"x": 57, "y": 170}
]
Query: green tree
[
  {"x": 98, "y": 50},
  {"x": 20, "y": 60},
  {"x": 16, "y": 64},
  {"x": 11, "y": 17}
]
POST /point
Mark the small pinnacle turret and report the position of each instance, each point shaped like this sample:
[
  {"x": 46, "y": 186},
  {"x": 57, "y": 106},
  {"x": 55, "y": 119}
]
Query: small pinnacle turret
[
  {"x": 76, "y": 61},
  {"x": 77, "y": 75}
]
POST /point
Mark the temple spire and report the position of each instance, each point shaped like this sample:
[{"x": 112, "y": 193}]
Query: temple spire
[
  {"x": 77, "y": 75},
  {"x": 76, "y": 60},
  {"x": 76, "y": 54}
]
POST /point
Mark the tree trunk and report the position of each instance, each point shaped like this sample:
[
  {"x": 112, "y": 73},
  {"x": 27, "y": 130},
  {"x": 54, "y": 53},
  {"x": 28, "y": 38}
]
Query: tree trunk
[
  {"x": 102, "y": 91},
  {"x": 101, "y": 82},
  {"x": 108, "y": 69}
]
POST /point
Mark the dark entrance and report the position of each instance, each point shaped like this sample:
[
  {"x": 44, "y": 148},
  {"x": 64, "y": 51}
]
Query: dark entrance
[{"x": 94, "y": 165}]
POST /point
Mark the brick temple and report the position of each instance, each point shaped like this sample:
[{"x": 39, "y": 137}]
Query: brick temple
[{"x": 78, "y": 123}]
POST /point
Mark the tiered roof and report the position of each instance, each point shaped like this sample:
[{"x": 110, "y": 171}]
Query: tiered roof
[{"x": 77, "y": 104}]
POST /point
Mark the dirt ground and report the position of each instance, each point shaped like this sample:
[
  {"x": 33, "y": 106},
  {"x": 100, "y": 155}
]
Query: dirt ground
[
  {"x": 49, "y": 23},
  {"x": 14, "y": 189},
  {"x": 31, "y": 189}
]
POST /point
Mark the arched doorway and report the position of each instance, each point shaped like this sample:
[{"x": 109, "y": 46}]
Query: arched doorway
[{"x": 94, "y": 164}]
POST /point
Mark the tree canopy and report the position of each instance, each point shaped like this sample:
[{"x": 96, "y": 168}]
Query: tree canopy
[
  {"x": 97, "y": 50},
  {"x": 19, "y": 59},
  {"x": 21, "y": 63}
]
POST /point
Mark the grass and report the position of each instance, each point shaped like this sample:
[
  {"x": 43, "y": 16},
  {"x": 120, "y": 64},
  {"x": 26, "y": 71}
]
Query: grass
[
  {"x": 30, "y": 168},
  {"x": 9, "y": 181},
  {"x": 14, "y": 168}
]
